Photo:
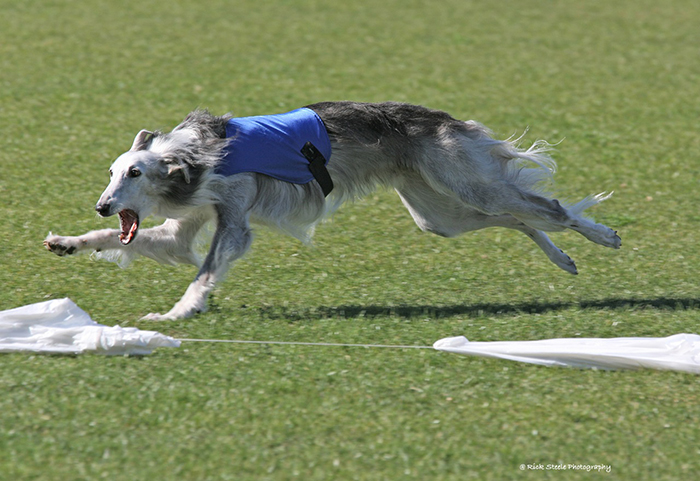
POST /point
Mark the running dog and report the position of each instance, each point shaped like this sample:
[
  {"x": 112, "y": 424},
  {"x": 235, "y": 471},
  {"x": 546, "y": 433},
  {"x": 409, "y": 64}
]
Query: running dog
[{"x": 289, "y": 170}]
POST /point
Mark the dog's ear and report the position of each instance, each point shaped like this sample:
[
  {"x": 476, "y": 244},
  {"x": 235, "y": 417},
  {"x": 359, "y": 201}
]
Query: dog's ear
[
  {"x": 142, "y": 140},
  {"x": 179, "y": 166}
]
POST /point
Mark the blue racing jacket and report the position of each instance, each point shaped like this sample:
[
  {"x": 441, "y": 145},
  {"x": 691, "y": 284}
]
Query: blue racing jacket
[{"x": 277, "y": 145}]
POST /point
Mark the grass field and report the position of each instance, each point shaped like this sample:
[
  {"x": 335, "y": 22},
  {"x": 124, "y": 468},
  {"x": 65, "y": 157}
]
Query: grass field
[{"x": 618, "y": 81}]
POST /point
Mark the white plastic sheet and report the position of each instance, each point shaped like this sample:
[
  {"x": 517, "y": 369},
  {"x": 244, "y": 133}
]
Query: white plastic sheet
[
  {"x": 680, "y": 352},
  {"x": 60, "y": 326}
]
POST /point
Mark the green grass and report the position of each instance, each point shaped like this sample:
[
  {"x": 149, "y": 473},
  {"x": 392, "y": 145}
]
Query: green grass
[{"x": 619, "y": 81}]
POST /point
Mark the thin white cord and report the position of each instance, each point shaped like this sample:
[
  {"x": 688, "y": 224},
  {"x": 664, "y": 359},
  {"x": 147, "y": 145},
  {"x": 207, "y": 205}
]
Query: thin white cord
[{"x": 289, "y": 343}]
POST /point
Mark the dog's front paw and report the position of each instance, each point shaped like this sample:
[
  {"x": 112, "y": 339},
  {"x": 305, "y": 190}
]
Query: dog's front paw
[
  {"x": 174, "y": 314},
  {"x": 62, "y": 246},
  {"x": 193, "y": 302},
  {"x": 156, "y": 316}
]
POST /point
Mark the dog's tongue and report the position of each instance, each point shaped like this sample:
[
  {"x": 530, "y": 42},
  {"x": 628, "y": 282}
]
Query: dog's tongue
[{"x": 129, "y": 221}]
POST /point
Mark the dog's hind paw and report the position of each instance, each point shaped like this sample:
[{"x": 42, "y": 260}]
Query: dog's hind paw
[
  {"x": 566, "y": 263},
  {"x": 598, "y": 233},
  {"x": 608, "y": 237}
]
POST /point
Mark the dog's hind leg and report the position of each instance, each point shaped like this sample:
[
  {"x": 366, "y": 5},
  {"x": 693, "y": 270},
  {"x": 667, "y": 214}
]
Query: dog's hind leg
[
  {"x": 488, "y": 187},
  {"x": 546, "y": 214},
  {"x": 231, "y": 240},
  {"x": 555, "y": 254},
  {"x": 448, "y": 216}
]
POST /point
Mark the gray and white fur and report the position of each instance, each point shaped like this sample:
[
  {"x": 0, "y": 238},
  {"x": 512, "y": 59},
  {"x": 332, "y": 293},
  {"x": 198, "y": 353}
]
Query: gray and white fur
[{"x": 452, "y": 176}]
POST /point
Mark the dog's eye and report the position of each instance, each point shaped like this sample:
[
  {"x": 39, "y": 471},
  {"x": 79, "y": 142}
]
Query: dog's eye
[
  {"x": 134, "y": 172},
  {"x": 111, "y": 173}
]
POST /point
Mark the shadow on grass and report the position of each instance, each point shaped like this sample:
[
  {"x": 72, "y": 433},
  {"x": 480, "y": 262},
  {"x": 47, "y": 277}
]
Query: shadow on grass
[{"x": 475, "y": 310}]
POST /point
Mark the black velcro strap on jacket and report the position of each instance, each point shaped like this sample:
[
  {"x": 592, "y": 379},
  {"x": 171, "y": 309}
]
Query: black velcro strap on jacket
[{"x": 317, "y": 166}]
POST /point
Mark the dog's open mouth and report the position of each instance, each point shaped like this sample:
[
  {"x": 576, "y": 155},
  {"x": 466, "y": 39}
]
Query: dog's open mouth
[{"x": 129, "y": 221}]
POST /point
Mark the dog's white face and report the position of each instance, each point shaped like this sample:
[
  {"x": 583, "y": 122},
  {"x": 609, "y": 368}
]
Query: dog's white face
[
  {"x": 131, "y": 192},
  {"x": 139, "y": 179}
]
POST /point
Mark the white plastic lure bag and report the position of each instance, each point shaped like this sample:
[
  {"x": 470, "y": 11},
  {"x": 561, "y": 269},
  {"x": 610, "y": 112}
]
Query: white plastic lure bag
[
  {"x": 680, "y": 352},
  {"x": 60, "y": 326}
]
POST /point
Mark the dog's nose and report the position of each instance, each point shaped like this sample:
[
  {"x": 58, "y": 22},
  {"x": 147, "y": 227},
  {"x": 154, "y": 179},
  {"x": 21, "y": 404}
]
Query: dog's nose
[{"x": 103, "y": 209}]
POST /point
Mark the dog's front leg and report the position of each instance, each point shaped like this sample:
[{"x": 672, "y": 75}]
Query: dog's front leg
[
  {"x": 170, "y": 242},
  {"x": 95, "y": 240},
  {"x": 231, "y": 240}
]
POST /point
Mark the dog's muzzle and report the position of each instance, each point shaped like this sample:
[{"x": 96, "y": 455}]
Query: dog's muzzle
[{"x": 104, "y": 209}]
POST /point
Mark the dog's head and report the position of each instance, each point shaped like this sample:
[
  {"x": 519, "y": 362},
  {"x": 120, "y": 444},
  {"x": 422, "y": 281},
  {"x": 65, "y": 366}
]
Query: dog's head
[
  {"x": 164, "y": 172},
  {"x": 141, "y": 179}
]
